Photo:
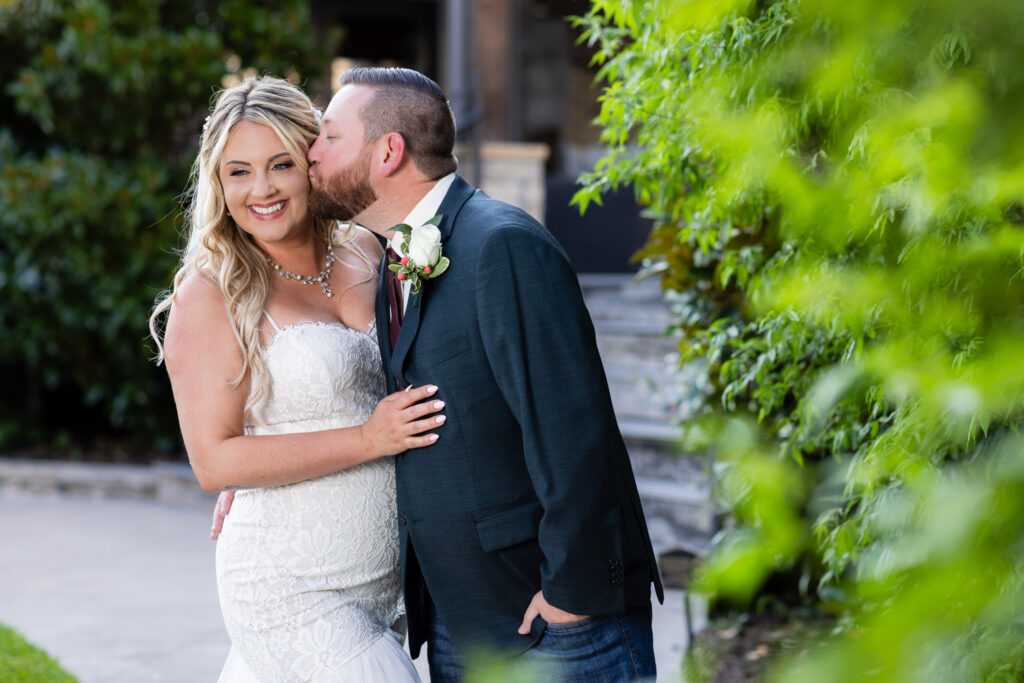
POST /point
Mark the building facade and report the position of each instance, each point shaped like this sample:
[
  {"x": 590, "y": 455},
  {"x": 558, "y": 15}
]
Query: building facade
[{"x": 524, "y": 97}]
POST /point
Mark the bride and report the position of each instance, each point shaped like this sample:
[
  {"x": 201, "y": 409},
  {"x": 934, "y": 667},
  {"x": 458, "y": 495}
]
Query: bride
[{"x": 271, "y": 351}]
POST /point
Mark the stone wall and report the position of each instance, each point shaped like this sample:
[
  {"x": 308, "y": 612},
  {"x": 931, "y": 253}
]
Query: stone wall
[
  {"x": 168, "y": 482},
  {"x": 510, "y": 171}
]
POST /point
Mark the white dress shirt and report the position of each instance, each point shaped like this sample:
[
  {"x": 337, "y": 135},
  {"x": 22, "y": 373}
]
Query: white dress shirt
[{"x": 423, "y": 212}]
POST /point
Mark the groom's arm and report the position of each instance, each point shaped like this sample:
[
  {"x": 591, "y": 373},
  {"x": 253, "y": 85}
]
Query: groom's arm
[{"x": 541, "y": 346}]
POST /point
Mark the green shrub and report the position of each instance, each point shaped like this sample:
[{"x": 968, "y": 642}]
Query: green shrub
[
  {"x": 100, "y": 107},
  {"x": 838, "y": 203}
]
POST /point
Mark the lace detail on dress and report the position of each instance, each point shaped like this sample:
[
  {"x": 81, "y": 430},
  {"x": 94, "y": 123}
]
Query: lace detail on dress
[
  {"x": 308, "y": 573},
  {"x": 319, "y": 370}
]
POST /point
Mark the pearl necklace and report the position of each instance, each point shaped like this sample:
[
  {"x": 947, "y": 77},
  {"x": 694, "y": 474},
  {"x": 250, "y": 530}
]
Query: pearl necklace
[{"x": 321, "y": 279}]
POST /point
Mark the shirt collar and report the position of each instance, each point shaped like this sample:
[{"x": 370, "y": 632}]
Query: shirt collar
[{"x": 431, "y": 202}]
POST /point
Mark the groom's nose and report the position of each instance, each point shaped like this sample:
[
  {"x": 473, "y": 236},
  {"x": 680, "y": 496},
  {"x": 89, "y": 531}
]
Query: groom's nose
[{"x": 313, "y": 156}]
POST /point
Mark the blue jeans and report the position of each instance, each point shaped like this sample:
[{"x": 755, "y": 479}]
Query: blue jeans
[{"x": 605, "y": 649}]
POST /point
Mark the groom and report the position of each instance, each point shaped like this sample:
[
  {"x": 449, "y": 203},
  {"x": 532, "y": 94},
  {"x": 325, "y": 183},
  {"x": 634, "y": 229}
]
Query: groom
[{"x": 521, "y": 528}]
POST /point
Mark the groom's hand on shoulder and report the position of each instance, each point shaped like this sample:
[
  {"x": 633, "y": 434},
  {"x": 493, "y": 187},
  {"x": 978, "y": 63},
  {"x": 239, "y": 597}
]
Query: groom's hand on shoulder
[{"x": 539, "y": 607}]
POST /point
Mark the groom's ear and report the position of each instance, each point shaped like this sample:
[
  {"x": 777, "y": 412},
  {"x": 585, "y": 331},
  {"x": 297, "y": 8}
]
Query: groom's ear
[{"x": 392, "y": 153}]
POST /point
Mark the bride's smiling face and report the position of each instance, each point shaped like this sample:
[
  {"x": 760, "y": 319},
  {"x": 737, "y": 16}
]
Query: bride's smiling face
[{"x": 265, "y": 191}]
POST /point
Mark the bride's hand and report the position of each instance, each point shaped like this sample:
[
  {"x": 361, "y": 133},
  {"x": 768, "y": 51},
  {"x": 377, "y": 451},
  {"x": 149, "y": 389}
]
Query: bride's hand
[{"x": 399, "y": 421}]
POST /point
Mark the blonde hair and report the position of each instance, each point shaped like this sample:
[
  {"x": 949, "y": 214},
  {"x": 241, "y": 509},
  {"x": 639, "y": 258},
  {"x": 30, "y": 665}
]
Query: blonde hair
[{"x": 221, "y": 251}]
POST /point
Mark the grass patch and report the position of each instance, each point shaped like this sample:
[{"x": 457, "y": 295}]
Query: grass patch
[{"x": 22, "y": 662}]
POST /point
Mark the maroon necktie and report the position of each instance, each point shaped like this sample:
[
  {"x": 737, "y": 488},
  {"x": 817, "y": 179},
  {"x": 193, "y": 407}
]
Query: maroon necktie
[{"x": 394, "y": 299}]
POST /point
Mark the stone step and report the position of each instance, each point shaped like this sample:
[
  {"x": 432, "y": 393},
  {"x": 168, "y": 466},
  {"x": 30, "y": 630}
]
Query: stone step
[
  {"x": 640, "y": 362},
  {"x": 675, "y": 491},
  {"x": 658, "y": 431},
  {"x": 623, "y": 304},
  {"x": 651, "y": 394}
]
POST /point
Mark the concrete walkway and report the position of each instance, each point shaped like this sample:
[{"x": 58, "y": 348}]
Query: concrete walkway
[{"x": 123, "y": 591}]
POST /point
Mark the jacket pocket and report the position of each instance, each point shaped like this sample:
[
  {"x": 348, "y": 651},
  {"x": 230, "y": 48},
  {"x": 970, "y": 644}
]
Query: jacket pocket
[{"x": 509, "y": 527}]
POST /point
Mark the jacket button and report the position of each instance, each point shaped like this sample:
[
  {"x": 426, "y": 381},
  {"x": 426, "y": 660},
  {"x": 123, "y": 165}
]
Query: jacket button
[{"x": 401, "y": 517}]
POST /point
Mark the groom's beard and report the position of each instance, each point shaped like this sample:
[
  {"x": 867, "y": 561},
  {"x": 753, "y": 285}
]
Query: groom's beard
[{"x": 344, "y": 195}]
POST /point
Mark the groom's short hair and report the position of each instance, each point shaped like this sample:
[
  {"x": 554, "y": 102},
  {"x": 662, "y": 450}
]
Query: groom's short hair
[{"x": 409, "y": 103}]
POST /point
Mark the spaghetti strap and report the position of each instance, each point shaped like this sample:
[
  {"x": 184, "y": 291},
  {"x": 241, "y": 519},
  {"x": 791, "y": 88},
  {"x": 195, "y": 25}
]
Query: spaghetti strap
[{"x": 272, "y": 322}]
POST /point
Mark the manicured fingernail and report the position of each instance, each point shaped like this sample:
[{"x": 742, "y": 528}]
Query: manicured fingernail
[
  {"x": 438, "y": 405},
  {"x": 432, "y": 437},
  {"x": 408, "y": 387},
  {"x": 431, "y": 389},
  {"x": 440, "y": 419}
]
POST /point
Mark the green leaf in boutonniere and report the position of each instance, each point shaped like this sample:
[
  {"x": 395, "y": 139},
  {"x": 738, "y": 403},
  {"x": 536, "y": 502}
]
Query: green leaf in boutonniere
[{"x": 438, "y": 269}]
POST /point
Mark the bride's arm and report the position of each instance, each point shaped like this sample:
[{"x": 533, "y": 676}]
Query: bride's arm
[{"x": 203, "y": 357}]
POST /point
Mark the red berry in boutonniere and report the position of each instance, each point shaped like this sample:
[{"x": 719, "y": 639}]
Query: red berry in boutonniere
[
  {"x": 426, "y": 271},
  {"x": 400, "y": 276},
  {"x": 405, "y": 260}
]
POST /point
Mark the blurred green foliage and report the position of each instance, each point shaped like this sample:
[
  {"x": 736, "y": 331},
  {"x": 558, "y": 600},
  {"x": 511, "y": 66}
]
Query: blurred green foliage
[
  {"x": 490, "y": 666},
  {"x": 838, "y": 190},
  {"x": 101, "y": 104}
]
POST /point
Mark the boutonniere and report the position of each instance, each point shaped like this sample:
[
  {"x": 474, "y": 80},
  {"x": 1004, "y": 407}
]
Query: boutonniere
[{"x": 419, "y": 253}]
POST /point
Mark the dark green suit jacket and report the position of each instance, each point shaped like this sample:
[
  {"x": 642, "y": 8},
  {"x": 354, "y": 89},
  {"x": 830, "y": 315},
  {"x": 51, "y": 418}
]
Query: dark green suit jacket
[{"x": 529, "y": 486}]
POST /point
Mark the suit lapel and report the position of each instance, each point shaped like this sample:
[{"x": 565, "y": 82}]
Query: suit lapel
[
  {"x": 384, "y": 322},
  {"x": 458, "y": 193}
]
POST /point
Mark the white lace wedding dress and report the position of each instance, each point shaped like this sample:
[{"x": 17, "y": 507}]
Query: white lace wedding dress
[{"x": 308, "y": 573}]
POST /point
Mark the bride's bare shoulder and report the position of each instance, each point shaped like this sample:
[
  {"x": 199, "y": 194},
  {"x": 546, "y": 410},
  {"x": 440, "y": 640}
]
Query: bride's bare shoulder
[
  {"x": 197, "y": 290},
  {"x": 198, "y": 315}
]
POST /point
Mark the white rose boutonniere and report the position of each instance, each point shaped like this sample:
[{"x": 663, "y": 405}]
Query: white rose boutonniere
[{"x": 419, "y": 252}]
